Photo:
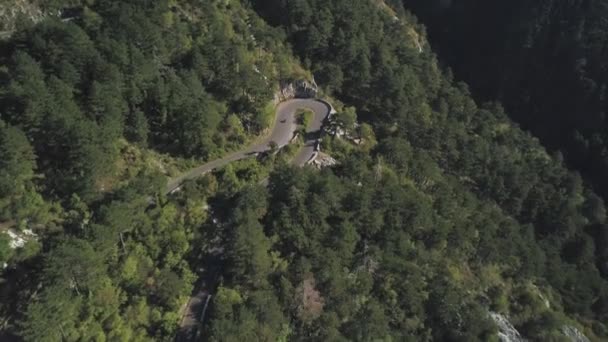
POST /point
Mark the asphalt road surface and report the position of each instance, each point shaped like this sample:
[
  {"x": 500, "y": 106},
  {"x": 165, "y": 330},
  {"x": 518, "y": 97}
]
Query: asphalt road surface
[{"x": 282, "y": 132}]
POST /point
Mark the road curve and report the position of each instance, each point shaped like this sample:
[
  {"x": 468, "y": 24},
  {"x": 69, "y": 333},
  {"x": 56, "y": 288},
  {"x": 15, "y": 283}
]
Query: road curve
[{"x": 282, "y": 132}]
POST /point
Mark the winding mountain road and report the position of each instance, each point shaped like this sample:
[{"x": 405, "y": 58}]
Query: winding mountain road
[
  {"x": 283, "y": 131},
  {"x": 284, "y": 127}
]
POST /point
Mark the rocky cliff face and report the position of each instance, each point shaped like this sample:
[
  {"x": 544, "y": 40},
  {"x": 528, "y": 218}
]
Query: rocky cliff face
[
  {"x": 508, "y": 333},
  {"x": 11, "y": 11},
  {"x": 506, "y": 330},
  {"x": 574, "y": 334},
  {"x": 296, "y": 89}
]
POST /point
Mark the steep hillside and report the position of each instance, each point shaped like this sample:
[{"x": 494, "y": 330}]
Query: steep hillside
[
  {"x": 95, "y": 111},
  {"x": 545, "y": 60},
  {"x": 435, "y": 136},
  {"x": 433, "y": 217}
]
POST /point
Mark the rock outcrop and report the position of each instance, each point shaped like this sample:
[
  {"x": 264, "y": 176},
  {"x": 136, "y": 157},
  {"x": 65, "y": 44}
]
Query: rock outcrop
[
  {"x": 323, "y": 160},
  {"x": 18, "y": 239},
  {"x": 574, "y": 334},
  {"x": 296, "y": 89},
  {"x": 12, "y": 11},
  {"x": 506, "y": 330}
]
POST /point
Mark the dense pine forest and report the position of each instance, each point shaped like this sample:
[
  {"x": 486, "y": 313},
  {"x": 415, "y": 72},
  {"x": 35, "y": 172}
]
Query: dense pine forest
[
  {"x": 440, "y": 215},
  {"x": 545, "y": 60}
]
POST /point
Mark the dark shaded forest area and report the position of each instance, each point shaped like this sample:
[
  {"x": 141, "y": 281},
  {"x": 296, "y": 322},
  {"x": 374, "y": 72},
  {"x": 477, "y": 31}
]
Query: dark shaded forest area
[{"x": 546, "y": 61}]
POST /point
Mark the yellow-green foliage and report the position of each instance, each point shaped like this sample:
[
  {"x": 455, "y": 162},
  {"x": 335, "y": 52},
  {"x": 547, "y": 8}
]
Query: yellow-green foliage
[
  {"x": 268, "y": 115},
  {"x": 304, "y": 117},
  {"x": 134, "y": 159}
]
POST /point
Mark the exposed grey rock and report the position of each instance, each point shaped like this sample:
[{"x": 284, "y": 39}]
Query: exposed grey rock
[
  {"x": 574, "y": 334},
  {"x": 323, "y": 160},
  {"x": 296, "y": 89},
  {"x": 18, "y": 239},
  {"x": 14, "y": 10},
  {"x": 506, "y": 330}
]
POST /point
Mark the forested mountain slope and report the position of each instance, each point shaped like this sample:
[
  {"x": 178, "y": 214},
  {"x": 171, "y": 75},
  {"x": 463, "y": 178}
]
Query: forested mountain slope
[
  {"x": 414, "y": 107},
  {"x": 439, "y": 211},
  {"x": 84, "y": 103},
  {"x": 545, "y": 60}
]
